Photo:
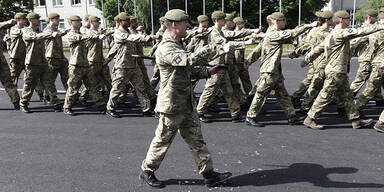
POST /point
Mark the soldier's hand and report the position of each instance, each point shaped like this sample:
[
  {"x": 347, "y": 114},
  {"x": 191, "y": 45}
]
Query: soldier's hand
[
  {"x": 68, "y": 29},
  {"x": 257, "y": 30},
  {"x": 55, "y": 35},
  {"x": 314, "y": 24},
  {"x": 261, "y": 35},
  {"x": 381, "y": 70},
  {"x": 215, "y": 69},
  {"x": 250, "y": 41},
  {"x": 229, "y": 48},
  {"x": 102, "y": 37},
  {"x": 11, "y": 21},
  {"x": 148, "y": 38},
  {"x": 153, "y": 63},
  {"x": 303, "y": 64},
  {"x": 140, "y": 28},
  {"x": 201, "y": 30}
]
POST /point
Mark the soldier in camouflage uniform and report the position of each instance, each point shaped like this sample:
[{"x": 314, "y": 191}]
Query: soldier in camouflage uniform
[
  {"x": 176, "y": 102},
  {"x": 314, "y": 38},
  {"x": 79, "y": 69},
  {"x": 271, "y": 77},
  {"x": 126, "y": 70},
  {"x": 239, "y": 58},
  {"x": 156, "y": 73},
  {"x": 150, "y": 91},
  {"x": 5, "y": 75},
  {"x": 17, "y": 52},
  {"x": 57, "y": 63},
  {"x": 221, "y": 80},
  {"x": 337, "y": 50},
  {"x": 36, "y": 67}
]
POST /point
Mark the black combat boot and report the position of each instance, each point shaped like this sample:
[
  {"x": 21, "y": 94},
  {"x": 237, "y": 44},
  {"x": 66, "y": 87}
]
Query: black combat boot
[
  {"x": 253, "y": 122},
  {"x": 203, "y": 119},
  {"x": 296, "y": 102},
  {"x": 102, "y": 109},
  {"x": 294, "y": 121},
  {"x": 237, "y": 118},
  {"x": 150, "y": 179},
  {"x": 149, "y": 113},
  {"x": 58, "y": 108},
  {"x": 113, "y": 113},
  {"x": 16, "y": 105},
  {"x": 25, "y": 109},
  {"x": 341, "y": 112},
  {"x": 68, "y": 111},
  {"x": 380, "y": 103},
  {"x": 213, "y": 178}
]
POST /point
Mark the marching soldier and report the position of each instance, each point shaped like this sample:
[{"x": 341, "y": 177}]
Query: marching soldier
[
  {"x": 337, "y": 50},
  {"x": 126, "y": 70},
  {"x": 79, "y": 69},
  {"x": 176, "y": 102},
  {"x": 271, "y": 77},
  {"x": 5, "y": 75},
  {"x": 57, "y": 63},
  {"x": 156, "y": 73},
  {"x": 36, "y": 67}
]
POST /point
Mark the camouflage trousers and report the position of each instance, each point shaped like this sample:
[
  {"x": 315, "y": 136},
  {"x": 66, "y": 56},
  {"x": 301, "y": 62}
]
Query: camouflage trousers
[
  {"x": 155, "y": 77},
  {"x": 373, "y": 87},
  {"x": 34, "y": 74},
  {"x": 233, "y": 72},
  {"x": 147, "y": 83},
  {"x": 122, "y": 77},
  {"x": 77, "y": 75},
  {"x": 219, "y": 81},
  {"x": 58, "y": 66},
  {"x": 265, "y": 84},
  {"x": 362, "y": 76},
  {"x": 313, "y": 89},
  {"x": 16, "y": 67},
  {"x": 188, "y": 125},
  {"x": 304, "y": 84},
  {"x": 244, "y": 78},
  {"x": 102, "y": 77},
  {"x": 335, "y": 85},
  {"x": 6, "y": 80}
]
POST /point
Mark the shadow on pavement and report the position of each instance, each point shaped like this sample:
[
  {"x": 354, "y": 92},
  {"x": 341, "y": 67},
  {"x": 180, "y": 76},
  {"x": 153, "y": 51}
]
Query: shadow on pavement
[{"x": 296, "y": 173}]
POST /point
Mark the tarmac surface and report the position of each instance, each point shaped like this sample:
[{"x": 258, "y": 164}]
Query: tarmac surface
[{"x": 47, "y": 151}]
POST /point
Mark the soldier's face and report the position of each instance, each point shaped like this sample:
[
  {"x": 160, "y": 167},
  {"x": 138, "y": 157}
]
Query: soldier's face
[
  {"x": 240, "y": 25},
  {"x": 204, "y": 24},
  {"x": 55, "y": 21},
  {"x": 345, "y": 22},
  {"x": 281, "y": 23},
  {"x": 34, "y": 22},
  {"x": 220, "y": 22},
  {"x": 181, "y": 28},
  {"x": 133, "y": 24},
  {"x": 95, "y": 24},
  {"x": 229, "y": 24},
  {"x": 372, "y": 20},
  {"x": 21, "y": 22},
  {"x": 75, "y": 24},
  {"x": 125, "y": 24}
]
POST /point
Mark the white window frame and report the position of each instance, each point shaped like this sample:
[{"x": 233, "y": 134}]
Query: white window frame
[
  {"x": 54, "y": 3},
  {"x": 38, "y": 3},
  {"x": 73, "y": 3},
  {"x": 91, "y": 2}
]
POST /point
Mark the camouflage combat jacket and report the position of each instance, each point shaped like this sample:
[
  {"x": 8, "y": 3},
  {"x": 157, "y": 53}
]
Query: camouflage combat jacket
[
  {"x": 35, "y": 46},
  {"x": 17, "y": 49},
  {"x": 54, "y": 46},
  {"x": 77, "y": 45}
]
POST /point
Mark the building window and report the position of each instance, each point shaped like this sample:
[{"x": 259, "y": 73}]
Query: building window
[
  {"x": 61, "y": 24},
  {"x": 40, "y": 2},
  {"x": 92, "y": 2},
  {"x": 76, "y": 2},
  {"x": 57, "y": 2}
]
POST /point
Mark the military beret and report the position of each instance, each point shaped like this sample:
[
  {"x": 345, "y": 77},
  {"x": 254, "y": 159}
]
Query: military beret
[
  {"x": 94, "y": 18},
  {"x": 269, "y": 17},
  {"x": 33, "y": 16},
  {"x": 218, "y": 15},
  {"x": 238, "y": 20},
  {"x": 47, "y": 20},
  {"x": 74, "y": 18},
  {"x": 319, "y": 14},
  {"x": 371, "y": 12},
  {"x": 342, "y": 14},
  {"x": 53, "y": 15},
  {"x": 327, "y": 14},
  {"x": 229, "y": 16},
  {"x": 20, "y": 16},
  {"x": 382, "y": 10},
  {"x": 132, "y": 18},
  {"x": 202, "y": 18},
  {"x": 277, "y": 16},
  {"x": 116, "y": 18},
  {"x": 162, "y": 19},
  {"x": 176, "y": 15},
  {"x": 123, "y": 16}
]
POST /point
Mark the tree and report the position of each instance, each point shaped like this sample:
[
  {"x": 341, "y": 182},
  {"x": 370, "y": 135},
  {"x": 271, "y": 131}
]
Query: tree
[
  {"x": 370, "y": 4},
  {"x": 195, "y": 7},
  {"x": 10, "y": 7}
]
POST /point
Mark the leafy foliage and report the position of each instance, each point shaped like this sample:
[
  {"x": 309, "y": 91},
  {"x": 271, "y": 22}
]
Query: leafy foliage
[
  {"x": 370, "y": 4},
  {"x": 10, "y": 7}
]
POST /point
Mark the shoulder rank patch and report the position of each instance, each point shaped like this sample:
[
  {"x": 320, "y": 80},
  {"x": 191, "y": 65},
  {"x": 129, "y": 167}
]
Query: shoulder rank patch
[
  {"x": 350, "y": 30},
  {"x": 31, "y": 34},
  {"x": 124, "y": 36},
  {"x": 230, "y": 33},
  {"x": 177, "y": 59},
  {"x": 221, "y": 41}
]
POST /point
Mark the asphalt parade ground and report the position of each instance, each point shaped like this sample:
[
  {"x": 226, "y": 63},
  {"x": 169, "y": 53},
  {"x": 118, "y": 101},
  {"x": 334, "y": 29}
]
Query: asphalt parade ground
[{"x": 51, "y": 152}]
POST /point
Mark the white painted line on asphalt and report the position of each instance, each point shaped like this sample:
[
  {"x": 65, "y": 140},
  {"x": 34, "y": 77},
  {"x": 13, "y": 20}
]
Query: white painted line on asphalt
[{"x": 20, "y": 90}]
